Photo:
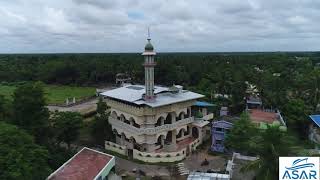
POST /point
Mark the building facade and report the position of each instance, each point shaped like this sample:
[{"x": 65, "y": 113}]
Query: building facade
[
  {"x": 219, "y": 131},
  {"x": 153, "y": 120}
]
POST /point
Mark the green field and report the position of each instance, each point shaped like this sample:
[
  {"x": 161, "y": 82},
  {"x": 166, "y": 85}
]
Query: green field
[{"x": 55, "y": 94}]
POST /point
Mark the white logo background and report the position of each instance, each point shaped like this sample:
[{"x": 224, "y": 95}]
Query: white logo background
[{"x": 288, "y": 162}]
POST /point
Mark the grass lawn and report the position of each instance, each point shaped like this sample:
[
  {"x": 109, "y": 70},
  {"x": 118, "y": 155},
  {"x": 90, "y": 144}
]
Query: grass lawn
[{"x": 55, "y": 94}]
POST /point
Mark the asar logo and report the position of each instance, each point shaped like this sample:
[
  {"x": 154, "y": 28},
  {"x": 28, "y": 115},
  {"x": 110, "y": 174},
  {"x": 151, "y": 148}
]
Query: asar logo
[{"x": 299, "y": 168}]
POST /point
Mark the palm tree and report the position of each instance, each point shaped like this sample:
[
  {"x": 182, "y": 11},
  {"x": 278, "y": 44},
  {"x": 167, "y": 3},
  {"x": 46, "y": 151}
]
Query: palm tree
[{"x": 270, "y": 145}]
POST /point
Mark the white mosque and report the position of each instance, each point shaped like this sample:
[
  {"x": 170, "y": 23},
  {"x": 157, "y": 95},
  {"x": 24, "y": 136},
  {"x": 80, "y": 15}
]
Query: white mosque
[{"x": 155, "y": 123}]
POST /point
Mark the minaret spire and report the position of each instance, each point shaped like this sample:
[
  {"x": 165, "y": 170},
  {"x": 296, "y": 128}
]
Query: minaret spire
[{"x": 149, "y": 65}]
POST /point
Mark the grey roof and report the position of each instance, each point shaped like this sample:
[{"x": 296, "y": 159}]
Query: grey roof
[{"x": 133, "y": 94}]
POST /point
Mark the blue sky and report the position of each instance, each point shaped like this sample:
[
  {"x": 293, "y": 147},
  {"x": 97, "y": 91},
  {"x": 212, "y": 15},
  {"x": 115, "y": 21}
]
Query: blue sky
[{"x": 37, "y": 26}]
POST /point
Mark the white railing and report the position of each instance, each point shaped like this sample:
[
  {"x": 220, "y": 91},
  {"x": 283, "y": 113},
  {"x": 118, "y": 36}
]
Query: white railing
[{"x": 139, "y": 131}]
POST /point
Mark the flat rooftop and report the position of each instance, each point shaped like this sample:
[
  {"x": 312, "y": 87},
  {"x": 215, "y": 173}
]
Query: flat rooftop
[
  {"x": 258, "y": 115},
  {"x": 85, "y": 165},
  {"x": 133, "y": 94}
]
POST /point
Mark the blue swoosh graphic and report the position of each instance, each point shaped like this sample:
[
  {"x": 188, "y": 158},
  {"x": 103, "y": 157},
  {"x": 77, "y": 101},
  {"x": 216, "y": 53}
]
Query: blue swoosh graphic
[
  {"x": 299, "y": 160},
  {"x": 300, "y": 166}
]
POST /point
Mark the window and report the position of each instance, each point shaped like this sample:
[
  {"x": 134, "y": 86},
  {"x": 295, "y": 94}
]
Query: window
[
  {"x": 218, "y": 142},
  {"x": 219, "y": 129}
]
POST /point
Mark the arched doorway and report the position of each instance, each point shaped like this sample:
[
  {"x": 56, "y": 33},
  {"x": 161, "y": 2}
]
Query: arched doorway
[
  {"x": 169, "y": 138},
  {"x": 181, "y": 133},
  {"x": 181, "y": 116},
  {"x": 159, "y": 121},
  {"x": 131, "y": 147},
  {"x": 195, "y": 132},
  {"x": 122, "y": 118},
  {"x": 114, "y": 115},
  {"x": 160, "y": 141},
  {"x": 188, "y": 112},
  {"x": 168, "y": 119}
]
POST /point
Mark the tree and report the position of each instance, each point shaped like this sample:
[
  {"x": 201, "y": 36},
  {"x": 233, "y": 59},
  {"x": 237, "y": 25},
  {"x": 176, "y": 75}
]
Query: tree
[
  {"x": 66, "y": 126},
  {"x": 239, "y": 136},
  {"x": 3, "y": 109},
  {"x": 101, "y": 129},
  {"x": 29, "y": 110},
  {"x": 296, "y": 114},
  {"x": 269, "y": 145},
  {"x": 20, "y": 157}
]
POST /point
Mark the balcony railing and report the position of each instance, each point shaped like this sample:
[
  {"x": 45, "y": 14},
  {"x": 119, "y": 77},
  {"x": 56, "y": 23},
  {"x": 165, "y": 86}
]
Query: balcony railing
[{"x": 139, "y": 131}]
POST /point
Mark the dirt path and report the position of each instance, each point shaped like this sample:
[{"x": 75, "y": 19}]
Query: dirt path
[
  {"x": 125, "y": 166},
  {"x": 83, "y": 108}
]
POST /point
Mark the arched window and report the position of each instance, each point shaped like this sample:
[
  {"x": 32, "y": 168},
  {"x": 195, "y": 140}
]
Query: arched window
[
  {"x": 181, "y": 116},
  {"x": 122, "y": 118},
  {"x": 133, "y": 122},
  {"x": 181, "y": 133},
  {"x": 114, "y": 115}
]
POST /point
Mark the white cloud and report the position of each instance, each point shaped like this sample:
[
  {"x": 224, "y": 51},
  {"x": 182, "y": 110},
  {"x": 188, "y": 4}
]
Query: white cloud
[{"x": 120, "y": 26}]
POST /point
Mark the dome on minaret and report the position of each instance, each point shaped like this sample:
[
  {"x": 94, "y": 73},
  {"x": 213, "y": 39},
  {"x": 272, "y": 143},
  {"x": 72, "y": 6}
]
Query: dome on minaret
[{"x": 148, "y": 46}]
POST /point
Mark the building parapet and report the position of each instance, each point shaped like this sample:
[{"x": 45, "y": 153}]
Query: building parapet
[
  {"x": 193, "y": 146},
  {"x": 208, "y": 117},
  {"x": 149, "y": 131},
  {"x": 115, "y": 148},
  {"x": 141, "y": 111},
  {"x": 154, "y": 157},
  {"x": 159, "y": 157}
]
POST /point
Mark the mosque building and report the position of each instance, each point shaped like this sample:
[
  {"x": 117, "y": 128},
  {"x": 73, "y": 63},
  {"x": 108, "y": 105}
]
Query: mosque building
[{"x": 155, "y": 123}]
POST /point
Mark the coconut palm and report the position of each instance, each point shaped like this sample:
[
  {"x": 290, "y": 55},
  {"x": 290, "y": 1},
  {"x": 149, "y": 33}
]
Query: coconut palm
[{"x": 270, "y": 144}]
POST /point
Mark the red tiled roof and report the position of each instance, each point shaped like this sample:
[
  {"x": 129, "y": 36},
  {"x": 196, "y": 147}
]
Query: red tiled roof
[
  {"x": 85, "y": 165},
  {"x": 257, "y": 115}
]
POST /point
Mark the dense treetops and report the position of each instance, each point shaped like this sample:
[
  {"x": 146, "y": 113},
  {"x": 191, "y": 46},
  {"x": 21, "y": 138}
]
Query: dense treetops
[{"x": 20, "y": 157}]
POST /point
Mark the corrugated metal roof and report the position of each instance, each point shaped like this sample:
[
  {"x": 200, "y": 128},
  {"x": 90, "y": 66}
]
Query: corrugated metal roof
[
  {"x": 133, "y": 94},
  {"x": 203, "y": 104},
  {"x": 315, "y": 119}
]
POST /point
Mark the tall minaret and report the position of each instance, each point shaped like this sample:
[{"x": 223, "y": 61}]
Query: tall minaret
[{"x": 149, "y": 65}]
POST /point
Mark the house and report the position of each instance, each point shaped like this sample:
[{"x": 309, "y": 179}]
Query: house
[
  {"x": 314, "y": 130},
  {"x": 87, "y": 164},
  {"x": 224, "y": 111},
  {"x": 263, "y": 117},
  {"x": 154, "y": 123},
  {"x": 122, "y": 78},
  {"x": 219, "y": 131},
  {"x": 253, "y": 102}
]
